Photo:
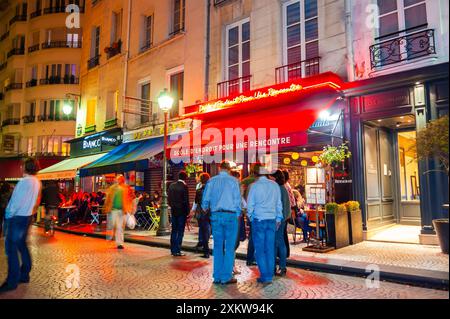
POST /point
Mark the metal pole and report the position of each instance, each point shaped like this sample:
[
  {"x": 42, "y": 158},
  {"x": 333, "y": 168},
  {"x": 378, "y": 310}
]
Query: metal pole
[{"x": 163, "y": 229}]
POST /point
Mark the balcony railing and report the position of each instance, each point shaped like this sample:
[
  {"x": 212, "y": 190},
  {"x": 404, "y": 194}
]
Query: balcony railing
[
  {"x": 19, "y": 17},
  {"x": 59, "y": 80},
  {"x": 29, "y": 119},
  {"x": 33, "y": 48},
  {"x": 10, "y": 122},
  {"x": 61, "y": 44},
  {"x": 299, "y": 70},
  {"x": 90, "y": 129},
  {"x": 16, "y": 51},
  {"x": 4, "y": 36},
  {"x": 61, "y": 9},
  {"x": 410, "y": 46},
  {"x": 31, "y": 83},
  {"x": 35, "y": 14},
  {"x": 233, "y": 87},
  {"x": 51, "y": 118},
  {"x": 14, "y": 86},
  {"x": 95, "y": 61},
  {"x": 146, "y": 46},
  {"x": 114, "y": 50},
  {"x": 111, "y": 123},
  {"x": 3, "y": 65}
]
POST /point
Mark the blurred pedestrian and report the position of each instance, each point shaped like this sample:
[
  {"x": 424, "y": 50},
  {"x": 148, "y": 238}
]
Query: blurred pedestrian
[
  {"x": 222, "y": 197},
  {"x": 294, "y": 209},
  {"x": 178, "y": 196},
  {"x": 265, "y": 211},
  {"x": 117, "y": 204},
  {"x": 204, "y": 226},
  {"x": 23, "y": 204},
  {"x": 5, "y": 195},
  {"x": 51, "y": 201}
]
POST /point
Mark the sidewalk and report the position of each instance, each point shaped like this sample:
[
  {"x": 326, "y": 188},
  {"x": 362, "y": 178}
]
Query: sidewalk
[{"x": 404, "y": 263}]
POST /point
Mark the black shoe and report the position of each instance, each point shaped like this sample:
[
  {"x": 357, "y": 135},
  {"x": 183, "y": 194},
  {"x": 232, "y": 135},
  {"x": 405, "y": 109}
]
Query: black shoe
[
  {"x": 179, "y": 255},
  {"x": 120, "y": 247},
  {"x": 5, "y": 288},
  {"x": 281, "y": 273},
  {"x": 251, "y": 263},
  {"x": 25, "y": 280},
  {"x": 206, "y": 256}
]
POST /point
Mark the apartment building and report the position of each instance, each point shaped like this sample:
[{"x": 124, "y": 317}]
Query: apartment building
[{"x": 40, "y": 52}]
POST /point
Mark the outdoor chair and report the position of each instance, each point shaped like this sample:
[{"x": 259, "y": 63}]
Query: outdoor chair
[
  {"x": 155, "y": 219},
  {"x": 313, "y": 226}
]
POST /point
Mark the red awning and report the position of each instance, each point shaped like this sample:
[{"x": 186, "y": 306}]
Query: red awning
[{"x": 11, "y": 169}]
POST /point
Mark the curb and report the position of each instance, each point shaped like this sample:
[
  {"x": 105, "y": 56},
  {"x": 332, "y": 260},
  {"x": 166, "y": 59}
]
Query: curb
[{"x": 400, "y": 276}]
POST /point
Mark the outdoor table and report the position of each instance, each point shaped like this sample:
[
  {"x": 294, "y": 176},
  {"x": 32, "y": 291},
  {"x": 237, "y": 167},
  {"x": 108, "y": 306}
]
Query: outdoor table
[{"x": 68, "y": 209}]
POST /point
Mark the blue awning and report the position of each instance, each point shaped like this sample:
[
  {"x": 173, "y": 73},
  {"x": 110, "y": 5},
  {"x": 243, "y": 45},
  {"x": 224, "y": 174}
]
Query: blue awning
[{"x": 127, "y": 157}]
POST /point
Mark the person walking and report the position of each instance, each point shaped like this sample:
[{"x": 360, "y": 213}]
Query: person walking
[
  {"x": 117, "y": 204},
  {"x": 293, "y": 204},
  {"x": 23, "y": 204},
  {"x": 5, "y": 195},
  {"x": 51, "y": 201},
  {"x": 222, "y": 197},
  {"x": 280, "y": 244},
  {"x": 202, "y": 216},
  {"x": 178, "y": 196},
  {"x": 265, "y": 211}
]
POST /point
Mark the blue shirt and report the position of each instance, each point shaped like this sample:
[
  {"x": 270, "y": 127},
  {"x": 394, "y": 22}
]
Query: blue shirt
[
  {"x": 222, "y": 193},
  {"x": 24, "y": 198},
  {"x": 264, "y": 200}
]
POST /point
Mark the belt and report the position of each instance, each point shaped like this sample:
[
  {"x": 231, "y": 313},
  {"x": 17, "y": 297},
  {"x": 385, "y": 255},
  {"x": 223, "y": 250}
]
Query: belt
[{"x": 225, "y": 211}]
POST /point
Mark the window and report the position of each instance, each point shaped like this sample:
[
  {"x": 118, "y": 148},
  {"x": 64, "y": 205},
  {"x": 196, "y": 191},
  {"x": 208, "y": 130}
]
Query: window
[
  {"x": 112, "y": 105},
  {"x": 146, "y": 107},
  {"x": 116, "y": 29},
  {"x": 65, "y": 147},
  {"x": 90, "y": 112},
  {"x": 70, "y": 74},
  {"x": 238, "y": 56},
  {"x": 53, "y": 73},
  {"x": 148, "y": 33},
  {"x": 29, "y": 145},
  {"x": 95, "y": 47},
  {"x": 177, "y": 91},
  {"x": 301, "y": 32},
  {"x": 73, "y": 40},
  {"x": 178, "y": 16}
]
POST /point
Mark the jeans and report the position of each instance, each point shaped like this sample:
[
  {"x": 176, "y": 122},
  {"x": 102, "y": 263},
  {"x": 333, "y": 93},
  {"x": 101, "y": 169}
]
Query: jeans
[
  {"x": 225, "y": 230},
  {"x": 16, "y": 242},
  {"x": 176, "y": 237},
  {"x": 204, "y": 232},
  {"x": 286, "y": 239},
  {"x": 250, "y": 247},
  {"x": 116, "y": 222},
  {"x": 263, "y": 232},
  {"x": 280, "y": 246}
]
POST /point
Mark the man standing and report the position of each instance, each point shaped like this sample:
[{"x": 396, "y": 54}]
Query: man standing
[
  {"x": 24, "y": 201},
  {"x": 117, "y": 204},
  {"x": 51, "y": 201},
  {"x": 265, "y": 211},
  {"x": 222, "y": 197},
  {"x": 178, "y": 196}
]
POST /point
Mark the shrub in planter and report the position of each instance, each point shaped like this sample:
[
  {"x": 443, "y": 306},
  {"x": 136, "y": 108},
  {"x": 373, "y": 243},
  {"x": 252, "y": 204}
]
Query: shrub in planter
[
  {"x": 355, "y": 227},
  {"x": 337, "y": 225}
]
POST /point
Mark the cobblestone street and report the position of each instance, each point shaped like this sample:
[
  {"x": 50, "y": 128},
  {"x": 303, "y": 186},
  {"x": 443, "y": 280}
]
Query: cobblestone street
[{"x": 146, "y": 272}]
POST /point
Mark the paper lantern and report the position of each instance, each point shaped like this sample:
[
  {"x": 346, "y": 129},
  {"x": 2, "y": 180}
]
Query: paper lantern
[
  {"x": 287, "y": 161},
  {"x": 304, "y": 163},
  {"x": 315, "y": 159},
  {"x": 295, "y": 156}
]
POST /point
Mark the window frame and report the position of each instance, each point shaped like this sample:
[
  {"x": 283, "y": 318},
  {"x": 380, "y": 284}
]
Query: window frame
[{"x": 226, "y": 64}]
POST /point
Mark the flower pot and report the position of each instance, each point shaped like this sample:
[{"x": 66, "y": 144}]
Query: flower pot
[
  {"x": 337, "y": 230},
  {"x": 441, "y": 228},
  {"x": 355, "y": 227}
]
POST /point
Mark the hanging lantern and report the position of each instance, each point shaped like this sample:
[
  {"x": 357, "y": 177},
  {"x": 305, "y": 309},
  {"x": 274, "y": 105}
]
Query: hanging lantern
[
  {"x": 287, "y": 161},
  {"x": 315, "y": 159},
  {"x": 295, "y": 156},
  {"x": 304, "y": 163}
]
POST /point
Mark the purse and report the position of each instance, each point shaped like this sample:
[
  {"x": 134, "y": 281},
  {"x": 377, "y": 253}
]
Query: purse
[{"x": 131, "y": 221}]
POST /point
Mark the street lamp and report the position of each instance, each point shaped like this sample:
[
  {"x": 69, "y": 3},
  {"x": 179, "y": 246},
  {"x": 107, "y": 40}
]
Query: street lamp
[
  {"x": 67, "y": 109},
  {"x": 165, "y": 102}
]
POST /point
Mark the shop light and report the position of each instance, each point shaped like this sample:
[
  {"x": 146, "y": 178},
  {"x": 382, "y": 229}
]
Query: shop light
[
  {"x": 165, "y": 101},
  {"x": 324, "y": 115},
  {"x": 67, "y": 109}
]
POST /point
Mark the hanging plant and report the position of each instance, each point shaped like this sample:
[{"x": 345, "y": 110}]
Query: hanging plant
[
  {"x": 333, "y": 155},
  {"x": 192, "y": 169}
]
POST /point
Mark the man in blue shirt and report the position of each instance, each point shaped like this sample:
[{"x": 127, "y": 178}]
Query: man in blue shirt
[
  {"x": 222, "y": 197},
  {"x": 23, "y": 204},
  {"x": 265, "y": 211}
]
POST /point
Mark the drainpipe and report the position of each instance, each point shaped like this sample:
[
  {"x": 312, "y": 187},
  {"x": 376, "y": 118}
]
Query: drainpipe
[
  {"x": 207, "y": 49},
  {"x": 127, "y": 58},
  {"x": 349, "y": 40}
]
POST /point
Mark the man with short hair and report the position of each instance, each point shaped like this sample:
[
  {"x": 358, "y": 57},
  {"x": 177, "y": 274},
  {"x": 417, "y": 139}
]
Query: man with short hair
[
  {"x": 265, "y": 211},
  {"x": 178, "y": 197},
  {"x": 222, "y": 197},
  {"x": 24, "y": 202}
]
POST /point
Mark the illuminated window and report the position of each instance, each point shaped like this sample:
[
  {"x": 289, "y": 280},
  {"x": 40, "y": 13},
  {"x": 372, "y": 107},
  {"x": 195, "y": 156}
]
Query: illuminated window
[
  {"x": 409, "y": 167},
  {"x": 90, "y": 112}
]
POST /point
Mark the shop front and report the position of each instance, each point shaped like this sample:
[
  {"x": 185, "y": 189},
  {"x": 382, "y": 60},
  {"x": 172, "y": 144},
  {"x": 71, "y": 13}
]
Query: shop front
[
  {"x": 11, "y": 168},
  {"x": 396, "y": 188}
]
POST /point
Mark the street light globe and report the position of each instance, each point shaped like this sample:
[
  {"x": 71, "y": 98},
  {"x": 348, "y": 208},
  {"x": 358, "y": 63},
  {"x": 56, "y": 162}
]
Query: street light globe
[
  {"x": 165, "y": 101},
  {"x": 67, "y": 109}
]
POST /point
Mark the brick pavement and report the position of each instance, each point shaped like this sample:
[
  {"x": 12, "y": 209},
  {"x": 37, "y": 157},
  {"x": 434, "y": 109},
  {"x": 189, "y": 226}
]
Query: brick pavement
[{"x": 148, "y": 272}]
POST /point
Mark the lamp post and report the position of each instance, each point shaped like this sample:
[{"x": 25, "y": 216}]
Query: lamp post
[
  {"x": 67, "y": 109},
  {"x": 165, "y": 102}
]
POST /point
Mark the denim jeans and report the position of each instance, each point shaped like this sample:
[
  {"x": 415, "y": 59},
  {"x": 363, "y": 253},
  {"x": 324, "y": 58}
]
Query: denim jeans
[
  {"x": 225, "y": 231},
  {"x": 116, "y": 226},
  {"x": 15, "y": 243},
  {"x": 176, "y": 237},
  {"x": 250, "y": 247},
  {"x": 263, "y": 232},
  {"x": 280, "y": 246},
  {"x": 204, "y": 232}
]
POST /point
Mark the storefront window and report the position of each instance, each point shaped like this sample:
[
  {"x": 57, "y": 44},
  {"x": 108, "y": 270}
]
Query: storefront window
[{"x": 409, "y": 168}]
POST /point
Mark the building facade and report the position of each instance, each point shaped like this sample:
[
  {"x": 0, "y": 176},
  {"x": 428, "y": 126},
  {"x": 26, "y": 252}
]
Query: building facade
[{"x": 39, "y": 79}]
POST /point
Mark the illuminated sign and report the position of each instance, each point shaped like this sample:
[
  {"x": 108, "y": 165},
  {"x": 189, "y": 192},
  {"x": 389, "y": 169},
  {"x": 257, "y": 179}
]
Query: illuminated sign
[
  {"x": 242, "y": 98},
  {"x": 96, "y": 143},
  {"x": 158, "y": 130}
]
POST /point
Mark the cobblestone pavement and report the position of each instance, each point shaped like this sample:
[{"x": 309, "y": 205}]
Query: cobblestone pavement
[{"x": 147, "y": 272}]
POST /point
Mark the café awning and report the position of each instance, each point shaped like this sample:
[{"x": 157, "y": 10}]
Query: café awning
[{"x": 67, "y": 169}]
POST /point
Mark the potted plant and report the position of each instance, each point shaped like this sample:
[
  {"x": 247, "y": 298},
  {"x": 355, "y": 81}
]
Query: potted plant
[
  {"x": 432, "y": 142},
  {"x": 335, "y": 155},
  {"x": 355, "y": 226},
  {"x": 337, "y": 225}
]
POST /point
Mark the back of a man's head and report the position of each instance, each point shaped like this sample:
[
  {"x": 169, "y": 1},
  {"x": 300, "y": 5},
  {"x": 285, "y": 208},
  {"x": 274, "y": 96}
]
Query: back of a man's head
[
  {"x": 260, "y": 170},
  {"x": 182, "y": 176},
  {"x": 255, "y": 168},
  {"x": 120, "y": 179},
  {"x": 31, "y": 166},
  {"x": 225, "y": 166}
]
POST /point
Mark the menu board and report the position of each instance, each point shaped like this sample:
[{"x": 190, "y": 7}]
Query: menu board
[
  {"x": 315, "y": 194},
  {"x": 315, "y": 175}
]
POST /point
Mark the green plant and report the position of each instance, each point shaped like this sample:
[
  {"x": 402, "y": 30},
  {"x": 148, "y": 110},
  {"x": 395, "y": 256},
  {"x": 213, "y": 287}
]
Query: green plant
[
  {"x": 352, "y": 206},
  {"x": 432, "y": 141},
  {"x": 192, "y": 169},
  {"x": 335, "y": 154},
  {"x": 331, "y": 208}
]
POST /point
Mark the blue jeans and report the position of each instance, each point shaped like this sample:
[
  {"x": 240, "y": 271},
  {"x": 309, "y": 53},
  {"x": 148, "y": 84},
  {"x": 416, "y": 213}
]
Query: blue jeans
[
  {"x": 225, "y": 231},
  {"x": 176, "y": 237},
  {"x": 280, "y": 246},
  {"x": 15, "y": 243},
  {"x": 250, "y": 247},
  {"x": 263, "y": 232},
  {"x": 204, "y": 232}
]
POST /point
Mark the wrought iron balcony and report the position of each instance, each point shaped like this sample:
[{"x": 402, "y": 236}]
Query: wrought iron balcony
[
  {"x": 33, "y": 48},
  {"x": 411, "y": 45},
  {"x": 51, "y": 10},
  {"x": 8, "y": 122},
  {"x": 36, "y": 14},
  {"x": 299, "y": 70},
  {"x": 29, "y": 119},
  {"x": 113, "y": 50},
  {"x": 61, "y": 44},
  {"x": 14, "y": 86},
  {"x": 53, "y": 80},
  {"x": 3, "y": 65},
  {"x": 233, "y": 87},
  {"x": 19, "y": 17},
  {"x": 16, "y": 51},
  {"x": 95, "y": 61},
  {"x": 4, "y": 36},
  {"x": 31, "y": 83},
  {"x": 220, "y": 2}
]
